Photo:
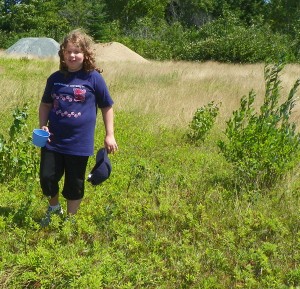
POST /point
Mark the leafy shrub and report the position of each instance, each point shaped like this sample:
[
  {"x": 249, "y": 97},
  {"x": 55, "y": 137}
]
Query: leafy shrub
[
  {"x": 17, "y": 154},
  {"x": 293, "y": 278},
  {"x": 148, "y": 48},
  {"x": 226, "y": 39},
  {"x": 8, "y": 39},
  {"x": 229, "y": 40},
  {"x": 262, "y": 146},
  {"x": 154, "y": 40},
  {"x": 203, "y": 120}
]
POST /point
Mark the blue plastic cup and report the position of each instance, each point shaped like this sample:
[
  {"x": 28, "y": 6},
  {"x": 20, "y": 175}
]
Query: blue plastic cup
[{"x": 40, "y": 137}]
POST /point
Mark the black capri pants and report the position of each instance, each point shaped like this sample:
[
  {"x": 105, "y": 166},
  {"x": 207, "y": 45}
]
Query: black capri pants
[{"x": 54, "y": 165}]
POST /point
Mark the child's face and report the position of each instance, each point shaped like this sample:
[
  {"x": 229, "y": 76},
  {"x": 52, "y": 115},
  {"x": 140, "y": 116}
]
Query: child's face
[{"x": 73, "y": 57}]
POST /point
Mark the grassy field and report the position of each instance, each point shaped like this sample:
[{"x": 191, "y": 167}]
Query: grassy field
[{"x": 169, "y": 216}]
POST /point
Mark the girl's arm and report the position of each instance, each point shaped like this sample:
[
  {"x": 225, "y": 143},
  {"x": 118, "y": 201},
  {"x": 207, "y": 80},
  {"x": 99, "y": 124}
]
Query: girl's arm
[
  {"x": 108, "y": 119},
  {"x": 44, "y": 110}
]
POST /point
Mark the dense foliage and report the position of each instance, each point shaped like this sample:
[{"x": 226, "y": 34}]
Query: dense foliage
[
  {"x": 17, "y": 155},
  {"x": 263, "y": 146},
  {"x": 203, "y": 120},
  {"x": 222, "y": 30}
]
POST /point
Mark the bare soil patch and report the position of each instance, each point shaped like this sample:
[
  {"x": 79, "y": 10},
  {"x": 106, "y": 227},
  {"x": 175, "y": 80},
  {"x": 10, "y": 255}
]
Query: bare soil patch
[{"x": 116, "y": 52}]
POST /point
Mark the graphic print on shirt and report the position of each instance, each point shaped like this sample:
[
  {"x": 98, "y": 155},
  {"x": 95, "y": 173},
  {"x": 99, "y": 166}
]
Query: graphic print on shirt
[
  {"x": 63, "y": 101},
  {"x": 79, "y": 94}
]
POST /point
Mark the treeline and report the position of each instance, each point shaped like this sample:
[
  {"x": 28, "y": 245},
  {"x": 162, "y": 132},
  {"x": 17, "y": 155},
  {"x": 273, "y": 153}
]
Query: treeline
[{"x": 195, "y": 30}]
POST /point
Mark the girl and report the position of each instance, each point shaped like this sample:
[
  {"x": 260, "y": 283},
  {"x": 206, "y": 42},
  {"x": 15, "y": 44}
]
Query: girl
[{"x": 68, "y": 110}]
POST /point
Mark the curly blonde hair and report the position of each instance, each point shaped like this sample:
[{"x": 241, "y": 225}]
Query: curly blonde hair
[{"x": 85, "y": 43}]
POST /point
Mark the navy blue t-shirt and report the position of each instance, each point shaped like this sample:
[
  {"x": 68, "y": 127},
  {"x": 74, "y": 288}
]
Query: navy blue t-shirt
[{"x": 72, "y": 119}]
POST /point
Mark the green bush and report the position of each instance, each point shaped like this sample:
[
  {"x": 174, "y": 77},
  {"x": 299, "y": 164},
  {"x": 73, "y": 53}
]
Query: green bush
[
  {"x": 154, "y": 40},
  {"x": 203, "y": 120},
  {"x": 228, "y": 40},
  {"x": 262, "y": 146},
  {"x": 148, "y": 48},
  {"x": 17, "y": 154},
  {"x": 8, "y": 39}
]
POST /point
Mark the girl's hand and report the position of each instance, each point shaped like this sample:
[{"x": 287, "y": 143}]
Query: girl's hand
[
  {"x": 110, "y": 144},
  {"x": 45, "y": 128}
]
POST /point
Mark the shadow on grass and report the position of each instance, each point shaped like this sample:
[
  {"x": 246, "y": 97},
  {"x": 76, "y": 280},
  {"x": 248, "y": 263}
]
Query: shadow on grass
[
  {"x": 5, "y": 211},
  {"x": 16, "y": 215}
]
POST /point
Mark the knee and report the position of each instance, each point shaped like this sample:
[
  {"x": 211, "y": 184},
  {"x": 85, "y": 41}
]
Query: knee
[{"x": 49, "y": 185}]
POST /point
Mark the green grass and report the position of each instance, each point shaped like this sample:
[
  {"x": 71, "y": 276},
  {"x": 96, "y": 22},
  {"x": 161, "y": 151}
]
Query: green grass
[{"x": 168, "y": 217}]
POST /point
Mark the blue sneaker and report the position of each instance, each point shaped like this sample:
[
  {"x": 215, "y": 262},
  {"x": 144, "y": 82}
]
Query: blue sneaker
[{"x": 47, "y": 219}]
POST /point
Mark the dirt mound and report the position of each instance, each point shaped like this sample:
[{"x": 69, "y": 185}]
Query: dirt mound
[{"x": 114, "y": 51}]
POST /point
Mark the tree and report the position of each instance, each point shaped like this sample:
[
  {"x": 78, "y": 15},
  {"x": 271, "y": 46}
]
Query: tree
[
  {"x": 50, "y": 23},
  {"x": 284, "y": 15},
  {"x": 51, "y": 18},
  {"x": 189, "y": 12},
  {"x": 251, "y": 12},
  {"x": 89, "y": 15},
  {"x": 129, "y": 11},
  {"x": 96, "y": 19},
  {"x": 115, "y": 9},
  {"x": 33, "y": 17},
  {"x": 21, "y": 17}
]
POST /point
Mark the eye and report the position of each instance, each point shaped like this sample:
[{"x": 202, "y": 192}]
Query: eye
[{"x": 72, "y": 51}]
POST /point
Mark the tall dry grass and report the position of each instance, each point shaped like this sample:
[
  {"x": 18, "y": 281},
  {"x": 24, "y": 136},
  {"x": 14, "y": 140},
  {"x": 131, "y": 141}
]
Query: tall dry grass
[{"x": 172, "y": 91}]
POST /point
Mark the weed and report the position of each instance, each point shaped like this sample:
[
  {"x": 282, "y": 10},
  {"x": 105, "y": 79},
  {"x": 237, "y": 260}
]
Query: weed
[
  {"x": 262, "y": 146},
  {"x": 203, "y": 120},
  {"x": 17, "y": 154}
]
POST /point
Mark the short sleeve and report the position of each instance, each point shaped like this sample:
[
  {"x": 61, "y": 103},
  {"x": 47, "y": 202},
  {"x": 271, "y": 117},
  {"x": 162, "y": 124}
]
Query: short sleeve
[
  {"x": 102, "y": 94},
  {"x": 46, "y": 98}
]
